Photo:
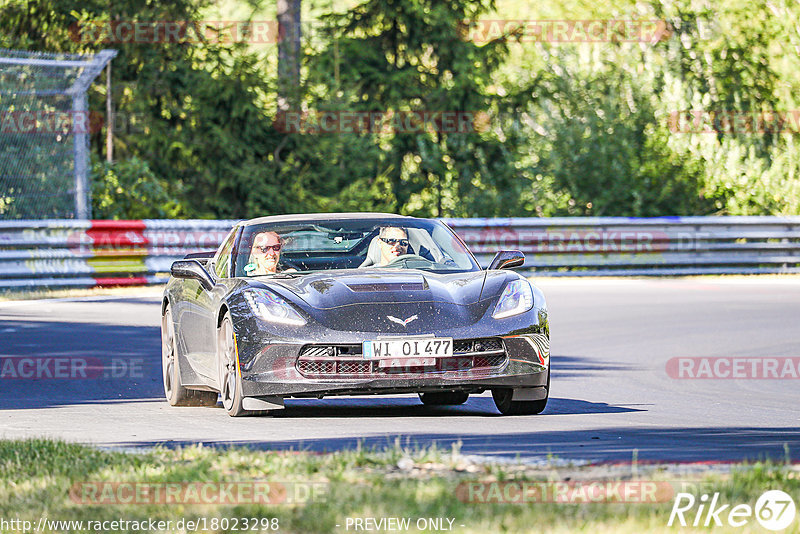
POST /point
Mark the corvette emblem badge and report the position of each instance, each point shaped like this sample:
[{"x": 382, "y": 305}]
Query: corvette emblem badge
[{"x": 402, "y": 322}]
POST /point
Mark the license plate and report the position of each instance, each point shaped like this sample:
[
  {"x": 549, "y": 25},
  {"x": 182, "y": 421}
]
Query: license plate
[{"x": 429, "y": 347}]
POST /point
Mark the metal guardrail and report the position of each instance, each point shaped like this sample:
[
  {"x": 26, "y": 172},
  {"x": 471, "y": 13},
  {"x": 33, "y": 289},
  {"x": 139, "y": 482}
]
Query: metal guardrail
[
  {"x": 67, "y": 253},
  {"x": 623, "y": 246}
]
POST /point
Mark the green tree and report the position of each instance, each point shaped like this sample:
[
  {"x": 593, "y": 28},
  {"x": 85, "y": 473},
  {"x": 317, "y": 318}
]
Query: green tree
[
  {"x": 603, "y": 144},
  {"x": 397, "y": 57},
  {"x": 200, "y": 124},
  {"x": 128, "y": 189}
]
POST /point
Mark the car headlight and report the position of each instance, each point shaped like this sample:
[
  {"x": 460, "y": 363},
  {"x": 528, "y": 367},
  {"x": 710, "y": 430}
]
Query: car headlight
[
  {"x": 270, "y": 307},
  {"x": 516, "y": 298}
]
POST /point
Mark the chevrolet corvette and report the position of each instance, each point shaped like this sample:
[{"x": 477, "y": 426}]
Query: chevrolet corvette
[{"x": 307, "y": 306}]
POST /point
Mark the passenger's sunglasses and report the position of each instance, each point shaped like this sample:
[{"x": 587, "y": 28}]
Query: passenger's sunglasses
[
  {"x": 265, "y": 248},
  {"x": 392, "y": 241}
]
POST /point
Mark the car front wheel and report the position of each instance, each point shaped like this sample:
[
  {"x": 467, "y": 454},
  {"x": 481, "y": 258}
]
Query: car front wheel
[
  {"x": 230, "y": 387},
  {"x": 503, "y": 400},
  {"x": 230, "y": 379}
]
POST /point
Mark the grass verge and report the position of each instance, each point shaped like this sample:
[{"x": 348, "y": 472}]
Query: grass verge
[{"x": 310, "y": 493}]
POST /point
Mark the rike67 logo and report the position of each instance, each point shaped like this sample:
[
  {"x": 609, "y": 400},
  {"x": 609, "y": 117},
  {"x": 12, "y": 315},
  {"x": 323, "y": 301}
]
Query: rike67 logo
[{"x": 774, "y": 510}]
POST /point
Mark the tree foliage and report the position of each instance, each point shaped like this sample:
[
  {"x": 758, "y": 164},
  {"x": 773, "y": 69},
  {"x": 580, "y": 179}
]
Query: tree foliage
[
  {"x": 128, "y": 189},
  {"x": 411, "y": 58}
]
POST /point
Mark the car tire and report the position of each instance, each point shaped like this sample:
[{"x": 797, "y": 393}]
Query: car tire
[
  {"x": 443, "y": 398},
  {"x": 230, "y": 379},
  {"x": 502, "y": 399},
  {"x": 174, "y": 391}
]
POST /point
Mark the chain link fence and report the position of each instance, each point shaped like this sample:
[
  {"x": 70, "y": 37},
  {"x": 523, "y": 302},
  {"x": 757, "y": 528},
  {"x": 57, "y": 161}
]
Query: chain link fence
[{"x": 44, "y": 133}]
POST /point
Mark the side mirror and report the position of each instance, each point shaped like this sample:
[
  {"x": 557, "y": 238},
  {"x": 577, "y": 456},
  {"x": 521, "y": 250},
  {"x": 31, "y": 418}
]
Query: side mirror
[
  {"x": 507, "y": 259},
  {"x": 203, "y": 257},
  {"x": 192, "y": 270}
]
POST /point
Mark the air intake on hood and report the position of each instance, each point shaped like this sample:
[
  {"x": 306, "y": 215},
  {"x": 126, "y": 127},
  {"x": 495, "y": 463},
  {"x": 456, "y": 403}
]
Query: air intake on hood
[{"x": 391, "y": 286}]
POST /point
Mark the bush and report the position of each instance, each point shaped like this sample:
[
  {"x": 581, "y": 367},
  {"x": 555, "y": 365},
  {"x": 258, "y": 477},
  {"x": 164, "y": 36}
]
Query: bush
[{"x": 129, "y": 190}]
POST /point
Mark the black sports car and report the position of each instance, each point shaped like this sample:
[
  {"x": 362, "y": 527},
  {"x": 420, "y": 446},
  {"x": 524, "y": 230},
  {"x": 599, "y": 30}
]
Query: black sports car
[{"x": 351, "y": 304}]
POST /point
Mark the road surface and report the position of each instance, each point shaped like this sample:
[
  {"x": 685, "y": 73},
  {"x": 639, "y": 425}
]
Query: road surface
[{"x": 613, "y": 395}]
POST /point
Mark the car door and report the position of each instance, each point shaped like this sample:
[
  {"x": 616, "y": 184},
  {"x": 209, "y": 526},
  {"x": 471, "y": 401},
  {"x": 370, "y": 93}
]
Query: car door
[
  {"x": 198, "y": 331},
  {"x": 207, "y": 304}
]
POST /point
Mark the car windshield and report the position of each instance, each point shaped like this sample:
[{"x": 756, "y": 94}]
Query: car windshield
[{"x": 300, "y": 247}]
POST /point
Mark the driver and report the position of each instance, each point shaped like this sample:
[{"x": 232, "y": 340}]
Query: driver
[
  {"x": 265, "y": 254},
  {"x": 393, "y": 242}
]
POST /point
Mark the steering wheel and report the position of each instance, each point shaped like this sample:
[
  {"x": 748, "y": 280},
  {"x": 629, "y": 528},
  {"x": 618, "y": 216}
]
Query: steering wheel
[
  {"x": 287, "y": 264},
  {"x": 406, "y": 258}
]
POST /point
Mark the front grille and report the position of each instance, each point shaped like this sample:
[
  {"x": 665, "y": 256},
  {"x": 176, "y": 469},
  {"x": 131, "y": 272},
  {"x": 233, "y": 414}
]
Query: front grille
[
  {"x": 333, "y": 361},
  {"x": 353, "y": 367},
  {"x": 309, "y": 367},
  {"x": 313, "y": 367}
]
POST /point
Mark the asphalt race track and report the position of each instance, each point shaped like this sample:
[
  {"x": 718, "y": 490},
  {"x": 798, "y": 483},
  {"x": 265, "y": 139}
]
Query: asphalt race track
[{"x": 612, "y": 396}]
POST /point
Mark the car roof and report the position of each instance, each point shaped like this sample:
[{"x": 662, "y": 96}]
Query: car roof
[{"x": 324, "y": 217}]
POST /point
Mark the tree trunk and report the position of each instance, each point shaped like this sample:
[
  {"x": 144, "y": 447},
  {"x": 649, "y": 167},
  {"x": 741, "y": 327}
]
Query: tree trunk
[{"x": 289, "y": 32}]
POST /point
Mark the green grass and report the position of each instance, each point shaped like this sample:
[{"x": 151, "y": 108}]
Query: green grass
[{"x": 36, "y": 477}]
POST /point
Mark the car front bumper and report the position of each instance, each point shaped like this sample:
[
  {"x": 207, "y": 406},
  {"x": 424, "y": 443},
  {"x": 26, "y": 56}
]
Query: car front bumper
[{"x": 273, "y": 371}]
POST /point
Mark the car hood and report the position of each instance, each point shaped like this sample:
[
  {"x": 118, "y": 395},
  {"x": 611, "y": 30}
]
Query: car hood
[
  {"x": 351, "y": 300},
  {"x": 335, "y": 288}
]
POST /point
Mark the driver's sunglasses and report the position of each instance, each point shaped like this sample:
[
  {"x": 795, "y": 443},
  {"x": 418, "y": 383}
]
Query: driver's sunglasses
[
  {"x": 392, "y": 241},
  {"x": 265, "y": 248}
]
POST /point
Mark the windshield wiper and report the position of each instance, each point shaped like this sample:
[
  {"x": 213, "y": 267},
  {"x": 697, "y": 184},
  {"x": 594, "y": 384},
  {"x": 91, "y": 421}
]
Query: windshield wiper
[{"x": 286, "y": 275}]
